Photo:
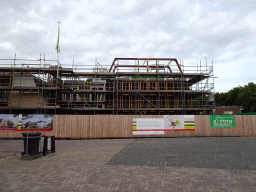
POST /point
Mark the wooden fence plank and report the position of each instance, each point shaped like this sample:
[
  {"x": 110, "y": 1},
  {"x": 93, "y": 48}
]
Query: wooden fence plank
[{"x": 102, "y": 126}]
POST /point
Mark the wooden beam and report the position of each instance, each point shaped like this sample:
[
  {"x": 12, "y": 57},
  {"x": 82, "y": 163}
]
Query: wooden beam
[
  {"x": 147, "y": 65},
  {"x": 138, "y": 65}
]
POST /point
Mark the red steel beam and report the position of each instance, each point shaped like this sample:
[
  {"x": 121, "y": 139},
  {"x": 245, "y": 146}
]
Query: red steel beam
[
  {"x": 141, "y": 66},
  {"x": 160, "y": 59}
]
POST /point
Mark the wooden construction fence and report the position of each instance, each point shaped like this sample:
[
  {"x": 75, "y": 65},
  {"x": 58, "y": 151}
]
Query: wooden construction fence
[{"x": 120, "y": 126}]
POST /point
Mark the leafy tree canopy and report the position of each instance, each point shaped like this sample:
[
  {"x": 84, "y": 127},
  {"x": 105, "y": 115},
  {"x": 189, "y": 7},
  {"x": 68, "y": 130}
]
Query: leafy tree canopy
[{"x": 239, "y": 96}]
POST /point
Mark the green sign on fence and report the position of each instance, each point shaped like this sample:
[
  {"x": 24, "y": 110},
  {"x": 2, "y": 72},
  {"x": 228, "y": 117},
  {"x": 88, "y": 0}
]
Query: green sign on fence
[{"x": 222, "y": 121}]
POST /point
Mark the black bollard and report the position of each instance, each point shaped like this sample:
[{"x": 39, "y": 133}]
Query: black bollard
[
  {"x": 45, "y": 145},
  {"x": 53, "y": 144}
]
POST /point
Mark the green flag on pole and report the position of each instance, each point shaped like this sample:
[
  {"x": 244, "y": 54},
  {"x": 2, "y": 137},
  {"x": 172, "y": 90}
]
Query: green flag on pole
[{"x": 58, "y": 39}]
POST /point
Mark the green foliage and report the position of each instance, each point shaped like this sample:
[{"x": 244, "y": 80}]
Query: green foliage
[
  {"x": 220, "y": 98},
  {"x": 201, "y": 102},
  {"x": 247, "y": 97},
  {"x": 239, "y": 96}
]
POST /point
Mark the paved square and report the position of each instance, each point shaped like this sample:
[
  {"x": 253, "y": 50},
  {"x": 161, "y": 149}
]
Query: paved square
[
  {"x": 217, "y": 153},
  {"x": 147, "y": 164}
]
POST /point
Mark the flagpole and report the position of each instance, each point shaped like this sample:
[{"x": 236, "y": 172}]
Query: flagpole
[
  {"x": 58, "y": 66},
  {"x": 58, "y": 50}
]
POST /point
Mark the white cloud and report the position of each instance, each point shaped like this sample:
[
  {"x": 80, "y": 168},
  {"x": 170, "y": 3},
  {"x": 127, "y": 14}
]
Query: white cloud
[
  {"x": 250, "y": 20},
  {"x": 129, "y": 5},
  {"x": 222, "y": 31},
  {"x": 46, "y": 7},
  {"x": 6, "y": 45},
  {"x": 196, "y": 13}
]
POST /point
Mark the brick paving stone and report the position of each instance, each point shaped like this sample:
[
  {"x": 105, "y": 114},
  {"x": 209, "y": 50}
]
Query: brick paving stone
[
  {"x": 148, "y": 164},
  {"x": 10, "y": 147}
]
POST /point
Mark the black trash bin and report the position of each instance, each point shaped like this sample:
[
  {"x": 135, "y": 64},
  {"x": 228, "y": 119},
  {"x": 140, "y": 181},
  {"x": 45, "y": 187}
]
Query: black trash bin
[{"x": 33, "y": 143}]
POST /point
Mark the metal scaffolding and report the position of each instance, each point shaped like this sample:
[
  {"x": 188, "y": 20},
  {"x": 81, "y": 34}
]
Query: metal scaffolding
[{"x": 127, "y": 86}]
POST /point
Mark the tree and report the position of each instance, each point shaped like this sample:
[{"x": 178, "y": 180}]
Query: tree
[
  {"x": 247, "y": 97},
  {"x": 239, "y": 96},
  {"x": 221, "y": 99},
  {"x": 233, "y": 96},
  {"x": 201, "y": 102}
]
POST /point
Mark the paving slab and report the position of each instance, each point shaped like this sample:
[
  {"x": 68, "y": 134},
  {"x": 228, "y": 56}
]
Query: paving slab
[{"x": 146, "y": 164}]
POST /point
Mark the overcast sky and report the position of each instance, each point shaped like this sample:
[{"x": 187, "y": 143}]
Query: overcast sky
[{"x": 222, "y": 31}]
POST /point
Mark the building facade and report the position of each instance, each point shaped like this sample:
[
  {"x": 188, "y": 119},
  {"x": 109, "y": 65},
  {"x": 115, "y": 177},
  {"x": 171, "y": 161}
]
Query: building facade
[{"x": 128, "y": 86}]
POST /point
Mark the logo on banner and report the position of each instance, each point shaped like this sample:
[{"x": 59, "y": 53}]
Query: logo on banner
[{"x": 222, "y": 121}]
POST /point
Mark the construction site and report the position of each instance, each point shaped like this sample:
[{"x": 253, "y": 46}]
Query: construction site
[{"x": 129, "y": 86}]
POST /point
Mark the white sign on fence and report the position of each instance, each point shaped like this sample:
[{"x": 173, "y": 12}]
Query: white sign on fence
[
  {"x": 156, "y": 126},
  {"x": 144, "y": 126}
]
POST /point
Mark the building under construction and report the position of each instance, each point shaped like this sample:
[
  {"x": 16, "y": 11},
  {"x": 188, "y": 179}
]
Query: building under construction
[{"x": 152, "y": 86}]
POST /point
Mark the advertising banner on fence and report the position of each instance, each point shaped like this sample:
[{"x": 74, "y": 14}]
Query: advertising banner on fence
[
  {"x": 23, "y": 122},
  {"x": 9, "y": 122},
  {"x": 146, "y": 126},
  {"x": 179, "y": 122},
  {"x": 222, "y": 121}
]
